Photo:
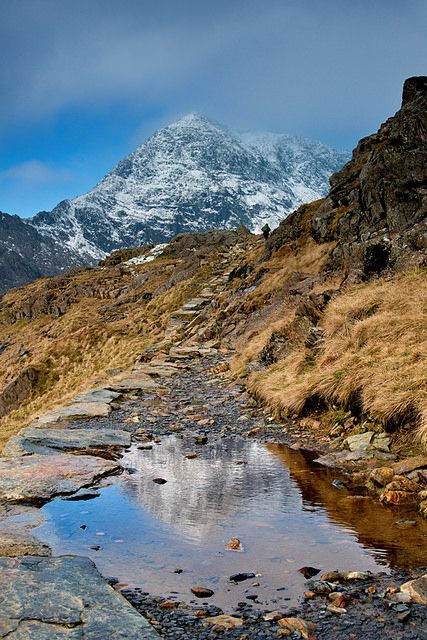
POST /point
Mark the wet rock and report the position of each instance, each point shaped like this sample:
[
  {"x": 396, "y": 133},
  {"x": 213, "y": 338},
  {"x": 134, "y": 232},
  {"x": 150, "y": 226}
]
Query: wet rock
[
  {"x": 401, "y": 483},
  {"x": 321, "y": 587},
  {"x": 83, "y": 494},
  {"x": 38, "y": 478},
  {"x": 354, "y": 460},
  {"x": 417, "y": 589},
  {"x": 305, "y": 628},
  {"x": 202, "y": 592},
  {"x": 338, "y": 484},
  {"x": 309, "y": 572},
  {"x": 272, "y": 616},
  {"x": 403, "y": 616},
  {"x": 226, "y": 622},
  {"x": 357, "y": 575},
  {"x": 40, "y": 440},
  {"x": 381, "y": 476},
  {"x": 234, "y": 545},
  {"x": 339, "y": 599},
  {"x": 400, "y": 597},
  {"x": 332, "y": 576},
  {"x": 58, "y": 598},
  {"x": 394, "y": 498},
  {"x": 240, "y": 577}
]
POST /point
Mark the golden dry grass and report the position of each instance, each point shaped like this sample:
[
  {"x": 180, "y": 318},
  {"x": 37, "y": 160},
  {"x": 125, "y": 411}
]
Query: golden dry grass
[
  {"x": 268, "y": 306},
  {"x": 78, "y": 349},
  {"x": 375, "y": 351}
]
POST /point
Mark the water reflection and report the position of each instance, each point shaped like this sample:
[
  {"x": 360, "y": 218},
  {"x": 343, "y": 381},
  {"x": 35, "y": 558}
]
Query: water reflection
[
  {"x": 286, "y": 513},
  {"x": 373, "y": 524},
  {"x": 231, "y": 477}
]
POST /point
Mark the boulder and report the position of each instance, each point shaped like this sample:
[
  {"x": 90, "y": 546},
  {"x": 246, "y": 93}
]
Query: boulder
[
  {"x": 225, "y": 621},
  {"x": 381, "y": 476},
  {"x": 395, "y": 498},
  {"x": 417, "y": 589},
  {"x": 360, "y": 441},
  {"x": 303, "y": 627}
]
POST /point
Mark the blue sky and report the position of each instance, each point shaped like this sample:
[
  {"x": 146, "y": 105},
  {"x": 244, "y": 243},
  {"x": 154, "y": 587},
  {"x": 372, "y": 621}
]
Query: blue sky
[{"x": 82, "y": 83}]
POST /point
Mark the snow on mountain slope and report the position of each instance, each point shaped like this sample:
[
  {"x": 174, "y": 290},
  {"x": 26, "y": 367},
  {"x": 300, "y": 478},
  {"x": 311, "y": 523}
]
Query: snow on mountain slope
[{"x": 193, "y": 175}]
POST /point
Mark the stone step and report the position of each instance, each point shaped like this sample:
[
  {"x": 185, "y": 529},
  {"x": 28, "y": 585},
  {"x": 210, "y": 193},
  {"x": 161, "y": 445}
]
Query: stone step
[
  {"x": 195, "y": 304},
  {"x": 185, "y": 314}
]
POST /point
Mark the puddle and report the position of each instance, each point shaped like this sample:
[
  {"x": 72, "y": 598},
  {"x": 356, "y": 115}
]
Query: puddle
[{"x": 281, "y": 506}]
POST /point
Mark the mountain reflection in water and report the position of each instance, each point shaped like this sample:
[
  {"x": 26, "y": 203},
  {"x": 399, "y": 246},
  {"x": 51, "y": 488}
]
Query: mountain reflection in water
[{"x": 282, "y": 506}]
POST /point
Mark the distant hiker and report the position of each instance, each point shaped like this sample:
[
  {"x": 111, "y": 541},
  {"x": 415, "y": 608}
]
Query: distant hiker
[{"x": 266, "y": 231}]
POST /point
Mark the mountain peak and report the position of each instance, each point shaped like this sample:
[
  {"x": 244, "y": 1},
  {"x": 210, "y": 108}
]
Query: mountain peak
[
  {"x": 194, "y": 119},
  {"x": 193, "y": 175}
]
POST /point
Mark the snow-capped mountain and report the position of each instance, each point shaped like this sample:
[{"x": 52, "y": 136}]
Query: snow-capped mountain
[{"x": 193, "y": 175}]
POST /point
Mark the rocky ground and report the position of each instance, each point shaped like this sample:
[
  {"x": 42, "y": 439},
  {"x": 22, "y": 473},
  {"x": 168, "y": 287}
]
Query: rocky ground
[{"x": 368, "y": 611}]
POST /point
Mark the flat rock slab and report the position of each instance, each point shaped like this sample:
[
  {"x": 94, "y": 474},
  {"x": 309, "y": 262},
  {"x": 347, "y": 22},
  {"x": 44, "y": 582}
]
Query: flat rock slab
[
  {"x": 16, "y": 524},
  {"x": 409, "y": 464},
  {"x": 38, "y": 478},
  {"x": 192, "y": 352},
  {"x": 39, "y": 440},
  {"x": 195, "y": 303},
  {"x": 73, "y": 411},
  {"x": 354, "y": 460},
  {"x": 64, "y": 598},
  {"x": 136, "y": 381},
  {"x": 159, "y": 371},
  {"x": 97, "y": 395}
]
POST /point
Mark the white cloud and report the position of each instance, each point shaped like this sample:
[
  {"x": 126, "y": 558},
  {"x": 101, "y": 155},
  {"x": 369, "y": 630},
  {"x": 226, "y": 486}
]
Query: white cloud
[{"x": 35, "y": 172}]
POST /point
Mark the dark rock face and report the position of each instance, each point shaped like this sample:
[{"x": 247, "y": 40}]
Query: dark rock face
[
  {"x": 26, "y": 255},
  {"x": 18, "y": 390},
  {"x": 376, "y": 208}
]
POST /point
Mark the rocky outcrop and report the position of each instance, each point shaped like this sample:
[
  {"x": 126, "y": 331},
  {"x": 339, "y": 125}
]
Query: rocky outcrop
[
  {"x": 376, "y": 209},
  {"x": 25, "y": 254},
  {"x": 18, "y": 390}
]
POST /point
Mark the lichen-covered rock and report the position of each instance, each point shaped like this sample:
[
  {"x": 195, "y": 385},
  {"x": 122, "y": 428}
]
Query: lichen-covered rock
[
  {"x": 381, "y": 476},
  {"x": 394, "y": 498}
]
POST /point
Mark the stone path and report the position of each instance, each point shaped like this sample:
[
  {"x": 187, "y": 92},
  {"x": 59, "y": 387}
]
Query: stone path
[{"x": 57, "y": 455}]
